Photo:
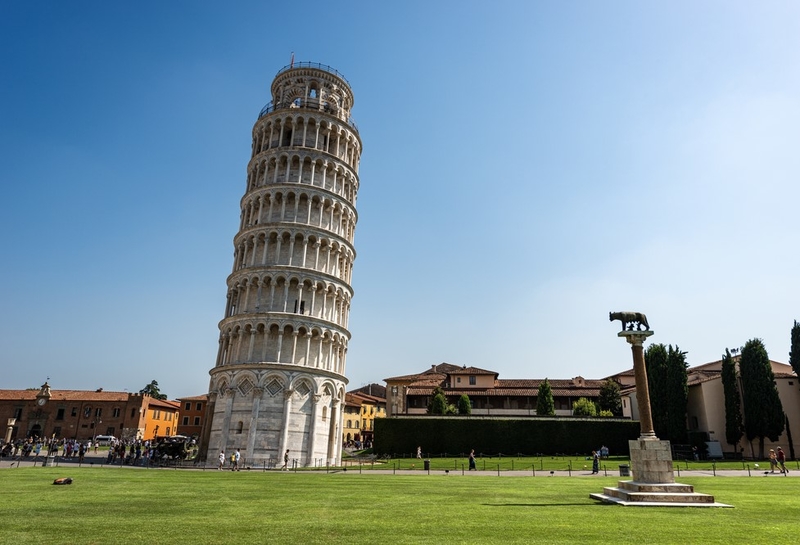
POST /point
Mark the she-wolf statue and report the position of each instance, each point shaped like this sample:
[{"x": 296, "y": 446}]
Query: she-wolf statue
[{"x": 629, "y": 319}]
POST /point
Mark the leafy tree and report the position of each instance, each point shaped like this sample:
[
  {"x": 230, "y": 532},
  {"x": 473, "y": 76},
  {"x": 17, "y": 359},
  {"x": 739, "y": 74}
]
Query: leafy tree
[
  {"x": 763, "y": 412},
  {"x": 609, "y": 399},
  {"x": 733, "y": 404},
  {"x": 584, "y": 407},
  {"x": 669, "y": 391},
  {"x": 794, "y": 354},
  {"x": 545, "y": 406},
  {"x": 438, "y": 403},
  {"x": 153, "y": 391},
  {"x": 464, "y": 405}
]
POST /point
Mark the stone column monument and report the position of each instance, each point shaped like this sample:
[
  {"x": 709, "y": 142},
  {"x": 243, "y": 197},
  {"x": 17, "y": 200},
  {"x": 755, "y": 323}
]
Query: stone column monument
[{"x": 653, "y": 481}]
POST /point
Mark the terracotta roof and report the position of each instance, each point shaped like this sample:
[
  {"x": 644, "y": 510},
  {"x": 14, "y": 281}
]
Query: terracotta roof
[
  {"x": 65, "y": 395},
  {"x": 471, "y": 371},
  {"x": 203, "y": 397}
]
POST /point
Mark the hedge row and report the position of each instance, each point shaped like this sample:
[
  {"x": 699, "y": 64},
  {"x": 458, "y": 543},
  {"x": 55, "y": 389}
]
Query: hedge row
[{"x": 440, "y": 434}]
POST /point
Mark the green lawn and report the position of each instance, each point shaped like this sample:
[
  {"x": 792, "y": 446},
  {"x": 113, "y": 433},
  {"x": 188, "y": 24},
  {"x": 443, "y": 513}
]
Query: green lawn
[
  {"x": 123, "y": 505},
  {"x": 534, "y": 465}
]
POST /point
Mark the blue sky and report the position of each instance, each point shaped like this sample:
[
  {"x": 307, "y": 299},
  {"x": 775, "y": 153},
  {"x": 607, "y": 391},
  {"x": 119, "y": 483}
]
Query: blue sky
[{"x": 527, "y": 168}]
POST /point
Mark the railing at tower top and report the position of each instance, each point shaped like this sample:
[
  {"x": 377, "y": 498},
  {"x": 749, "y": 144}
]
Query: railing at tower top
[
  {"x": 317, "y": 65},
  {"x": 308, "y": 104}
]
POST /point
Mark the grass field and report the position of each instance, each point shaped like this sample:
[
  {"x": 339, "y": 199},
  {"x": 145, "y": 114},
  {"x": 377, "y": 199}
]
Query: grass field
[{"x": 122, "y": 505}]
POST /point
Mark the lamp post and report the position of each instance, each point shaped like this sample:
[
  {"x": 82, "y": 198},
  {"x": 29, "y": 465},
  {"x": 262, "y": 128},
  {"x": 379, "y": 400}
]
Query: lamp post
[{"x": 95, "y": 422}]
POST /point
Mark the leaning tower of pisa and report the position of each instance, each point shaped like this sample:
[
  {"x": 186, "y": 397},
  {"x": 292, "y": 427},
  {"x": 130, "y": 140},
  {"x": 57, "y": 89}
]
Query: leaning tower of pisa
[{"x": 279, "y": 379}]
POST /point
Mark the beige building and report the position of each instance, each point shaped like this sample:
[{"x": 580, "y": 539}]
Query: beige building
[
  {"x": 488, "y": 394},
  {"x": 706, "y": 405}
]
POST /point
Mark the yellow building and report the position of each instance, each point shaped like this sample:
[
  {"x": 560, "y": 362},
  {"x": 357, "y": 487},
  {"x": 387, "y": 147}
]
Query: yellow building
[{"x": 361, "y": 408}]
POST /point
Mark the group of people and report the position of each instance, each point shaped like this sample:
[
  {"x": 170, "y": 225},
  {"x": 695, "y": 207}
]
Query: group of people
[
  {"x": 777, "y": 460},
  {"x": 236, "y": 458}
]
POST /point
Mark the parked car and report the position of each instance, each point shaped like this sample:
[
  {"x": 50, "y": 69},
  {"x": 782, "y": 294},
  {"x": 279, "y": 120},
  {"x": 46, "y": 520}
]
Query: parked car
[{"x": 105, "y": 440}]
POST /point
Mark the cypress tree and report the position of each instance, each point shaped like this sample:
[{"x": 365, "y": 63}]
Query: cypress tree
[
  {"x": 438, "y": 403},
  {"x": 655, "y": 359},
  {"x": 677, "y": 395},
  {"x": 763, "y": 412},
  {"x": 464, "y": 405},
  {"x": 609, "y": 398},
  {"x": 545, "y": 406},
  {"x": 733, "y": 404},
  {"x": 794, "y": 354}
]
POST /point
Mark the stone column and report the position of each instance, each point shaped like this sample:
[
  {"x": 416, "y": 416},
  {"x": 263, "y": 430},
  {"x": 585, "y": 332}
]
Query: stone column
[
  {"x": 636, "y": 338},
  {"x": 312, "y": 435},
  {"x": 287, "y": 409},
  {"x": 252, "y": 430},
  {"x": 10, "y": 429}
]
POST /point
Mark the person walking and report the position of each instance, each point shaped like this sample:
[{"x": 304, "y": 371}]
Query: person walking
[
  {"x": 286, "y": 460},
  {"x": 595, "y": 462},
  {"x": 221, "y": 460},
  {"x": 472, "y": 460},
  {"x": 236, "y": 457},
  {"x": 780, "y": 458},
  {"x": 773, "y": 461}
]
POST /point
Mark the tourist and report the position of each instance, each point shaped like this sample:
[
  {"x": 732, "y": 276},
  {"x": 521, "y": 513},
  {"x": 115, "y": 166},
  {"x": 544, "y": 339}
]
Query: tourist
[
  {"x": 221, "y": 460},
  {"x": 286, "y": 461},
  {"x": 236, "y": 457},
  {"x": 780, "y": 458},
  {"x": 773, "y": 461},
  {"x": 595, "y": 462},
  {"x": 419, "y": 452},
  {"x": 472, "y": 460}
]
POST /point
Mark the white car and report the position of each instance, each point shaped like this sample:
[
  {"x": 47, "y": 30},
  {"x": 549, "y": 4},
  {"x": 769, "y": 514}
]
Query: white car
[{"x": 105, "y": 440}]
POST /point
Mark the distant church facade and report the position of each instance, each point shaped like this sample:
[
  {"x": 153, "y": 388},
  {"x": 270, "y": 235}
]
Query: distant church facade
[{"x": 279, "y": 380}]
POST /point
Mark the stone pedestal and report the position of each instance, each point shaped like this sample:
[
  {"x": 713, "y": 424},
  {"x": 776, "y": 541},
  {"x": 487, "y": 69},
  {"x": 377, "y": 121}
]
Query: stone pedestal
[{"x": 651, "y": 461}]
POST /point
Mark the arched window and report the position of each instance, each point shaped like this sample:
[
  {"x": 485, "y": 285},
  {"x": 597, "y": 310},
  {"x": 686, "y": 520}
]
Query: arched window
[{"x": 239, "y": 427}]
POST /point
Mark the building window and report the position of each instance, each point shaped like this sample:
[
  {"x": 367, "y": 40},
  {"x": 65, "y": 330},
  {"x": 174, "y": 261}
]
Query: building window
[
  {"x": 74, "y": 411},
  {"x": 472, "y": 380},
  {"x": 57, "y": 430},
  {"x": 168, "y": 434},
  {"x": 115, "y": 412},
  {"x": 18, "y": 413},
  {"x": 98, "y": 411},
  {"x": 87, "y": 411},
  {"x": 60, "y": 415},
  {"x": 188, "y": 406},
  {"x": 240, "y": 427},
  {"x": 199, "y": 407},
  {"x": 356, "y": 424},
  {"x": 185, "y": 420},
  {"x": 458, "y": 380},
  {"x": 196, "y": 420},
  {"x": 133, "y": 412}
]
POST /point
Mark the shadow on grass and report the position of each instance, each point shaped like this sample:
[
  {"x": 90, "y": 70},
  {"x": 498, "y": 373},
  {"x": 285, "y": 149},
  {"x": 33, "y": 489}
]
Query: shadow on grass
[{"x": 573, "y": 504}]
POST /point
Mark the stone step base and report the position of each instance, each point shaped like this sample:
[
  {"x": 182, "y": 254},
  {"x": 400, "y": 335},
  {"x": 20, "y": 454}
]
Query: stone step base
[{"x": 631, "y": 493}]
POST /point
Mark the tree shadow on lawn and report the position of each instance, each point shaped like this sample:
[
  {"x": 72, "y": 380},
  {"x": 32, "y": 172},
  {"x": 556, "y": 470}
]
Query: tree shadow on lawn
[{"x": 571, "y": 504}]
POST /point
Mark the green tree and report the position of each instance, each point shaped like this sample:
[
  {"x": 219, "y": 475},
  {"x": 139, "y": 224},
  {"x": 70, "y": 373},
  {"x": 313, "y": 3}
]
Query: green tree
[
  {"x": 438, "y": 403},
  {"x": 464, "y": 405},
  {"x": 153, "y": 391},
  {"x": 677, "y": 395},
  {"x": 655, "y": 359},
  {"x": 763, "y": 412},
  {"x": 609, "y": 399},
  {"x": 545, "y": 406},
  {"x": 669, "y": 392},
  {"x": 733, "y": 404},
  {"x": 794, "y": 354},
  {"x": 584, "y": 407}
]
